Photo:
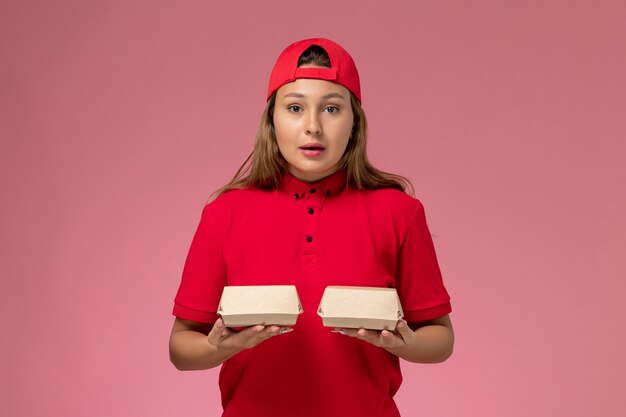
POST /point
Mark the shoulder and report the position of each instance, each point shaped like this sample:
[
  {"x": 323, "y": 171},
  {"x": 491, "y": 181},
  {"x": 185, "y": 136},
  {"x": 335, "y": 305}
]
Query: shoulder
[
  {"x": 225, "y": 210},
  {"x": 399, "y": 202},
  {"x": 234, "y": 196},
  {"x": 234, "y": 200}
]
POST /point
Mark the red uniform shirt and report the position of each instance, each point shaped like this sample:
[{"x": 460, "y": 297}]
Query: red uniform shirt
[{"x": 312, "y": 236}]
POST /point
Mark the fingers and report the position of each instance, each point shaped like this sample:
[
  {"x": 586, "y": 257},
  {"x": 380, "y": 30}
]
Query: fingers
[
  {"x": 405, "y": 331},
  {"x": 383, "y": 338},
  {"x": 254, "y": 335},
  {"x": 371, "y": 336},
  {"x": 223, "y": 337},
  {"x": 217, "y": 332},
  {"x": 347, "y": 332}
]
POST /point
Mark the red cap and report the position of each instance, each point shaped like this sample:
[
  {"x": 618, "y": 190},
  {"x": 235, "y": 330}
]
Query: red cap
[{"x": 343, "y": 70}]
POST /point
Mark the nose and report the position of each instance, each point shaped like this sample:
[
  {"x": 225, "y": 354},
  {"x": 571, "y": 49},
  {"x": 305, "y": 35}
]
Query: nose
[{"x": 313, "y": 125}]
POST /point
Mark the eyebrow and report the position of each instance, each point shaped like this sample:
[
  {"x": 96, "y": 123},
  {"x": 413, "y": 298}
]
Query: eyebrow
[{"x": 327, "y": 96}]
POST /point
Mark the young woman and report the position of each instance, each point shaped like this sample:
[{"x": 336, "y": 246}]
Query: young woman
[{"x": 308, "y": 209}]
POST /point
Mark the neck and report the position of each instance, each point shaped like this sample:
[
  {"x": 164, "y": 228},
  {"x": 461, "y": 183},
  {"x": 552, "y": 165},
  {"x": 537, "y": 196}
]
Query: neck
[{"x": 311, "y": 177}]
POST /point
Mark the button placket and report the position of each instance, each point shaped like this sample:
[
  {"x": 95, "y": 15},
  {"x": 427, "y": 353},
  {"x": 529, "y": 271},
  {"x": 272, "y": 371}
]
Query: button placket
[{"x": 312, "y": 200}]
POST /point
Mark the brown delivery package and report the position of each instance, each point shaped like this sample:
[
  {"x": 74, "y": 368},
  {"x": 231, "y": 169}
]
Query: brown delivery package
[
  {"x": 249, "y": 305},
  {"x": 360, "y": 307}
]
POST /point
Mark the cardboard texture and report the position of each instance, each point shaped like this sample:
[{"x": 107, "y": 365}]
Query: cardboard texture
[
  {"x": 360, "y": 307},
  {"x": 249, "y": 305}
]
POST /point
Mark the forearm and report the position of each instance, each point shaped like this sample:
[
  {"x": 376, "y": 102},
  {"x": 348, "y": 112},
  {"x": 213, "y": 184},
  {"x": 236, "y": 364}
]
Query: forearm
[
  {"x": 432, "y": 343},
  {"x": 190, "y": 350}
]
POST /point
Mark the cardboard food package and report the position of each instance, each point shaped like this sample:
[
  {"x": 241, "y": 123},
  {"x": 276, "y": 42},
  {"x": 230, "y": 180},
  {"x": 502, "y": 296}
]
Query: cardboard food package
[
  {"x": 360, "y": 307},
  {"x": 249, "y": 305}
]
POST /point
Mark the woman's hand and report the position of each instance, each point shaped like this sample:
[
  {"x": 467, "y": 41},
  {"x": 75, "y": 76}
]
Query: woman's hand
[
  {"x": 385, "y": 339},
  {"x": 432, "y": 342},
  {"x": 224, "y": 338},
  {"x": 195, "y": 346}
]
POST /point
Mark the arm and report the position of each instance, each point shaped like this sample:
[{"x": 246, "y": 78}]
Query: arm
[
  {"x": 195, "y": 346},
  {"x": 432, "y": 342}
]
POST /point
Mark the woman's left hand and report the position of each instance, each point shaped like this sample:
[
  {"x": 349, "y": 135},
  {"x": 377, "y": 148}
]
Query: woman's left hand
[
  {"x": 432, "y": 342},
  {"x": 385, "y": 339}
]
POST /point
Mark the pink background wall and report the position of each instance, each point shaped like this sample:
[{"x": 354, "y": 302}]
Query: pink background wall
[{"x": 118, "y": 118}]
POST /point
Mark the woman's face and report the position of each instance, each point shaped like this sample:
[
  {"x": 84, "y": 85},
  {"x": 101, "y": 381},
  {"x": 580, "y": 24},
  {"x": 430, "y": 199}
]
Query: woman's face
[{"x": 313, "y": 121}]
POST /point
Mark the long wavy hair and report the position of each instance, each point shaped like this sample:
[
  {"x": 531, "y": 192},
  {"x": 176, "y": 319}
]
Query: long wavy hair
[{"x": 265, "y": 166}]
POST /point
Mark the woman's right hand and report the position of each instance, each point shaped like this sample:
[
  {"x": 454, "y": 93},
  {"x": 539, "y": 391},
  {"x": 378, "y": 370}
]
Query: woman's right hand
[
  {"x": 195, "y": 346},
  {"x": 224, "y": 338}
]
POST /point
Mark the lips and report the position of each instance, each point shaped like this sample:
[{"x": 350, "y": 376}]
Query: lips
[{"x": 313, "y": 147}]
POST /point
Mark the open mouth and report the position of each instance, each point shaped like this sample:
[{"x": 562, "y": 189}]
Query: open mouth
[
  {"x": 312, "y": 150},
  {"x": 312, "y": 147}
]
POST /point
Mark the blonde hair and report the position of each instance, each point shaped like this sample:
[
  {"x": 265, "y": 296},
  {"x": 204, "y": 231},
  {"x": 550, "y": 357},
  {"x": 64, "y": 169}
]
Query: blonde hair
[{"x": 265, "y": 166}]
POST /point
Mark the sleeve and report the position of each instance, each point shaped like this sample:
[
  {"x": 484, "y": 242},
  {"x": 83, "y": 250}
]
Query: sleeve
[
  {"x": 204, "y": 275},
  {"x": 418, "y": 281}
]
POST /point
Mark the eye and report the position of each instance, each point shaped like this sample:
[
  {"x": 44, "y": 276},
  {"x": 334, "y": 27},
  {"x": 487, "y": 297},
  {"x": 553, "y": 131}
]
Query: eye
[
  {"x": 294, "y": 109},
  {"x": 332, "y": 109}
]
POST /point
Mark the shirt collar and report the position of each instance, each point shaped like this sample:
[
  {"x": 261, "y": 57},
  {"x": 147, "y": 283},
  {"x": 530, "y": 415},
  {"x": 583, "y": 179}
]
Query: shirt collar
[{"x": 329, "y": 185}]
